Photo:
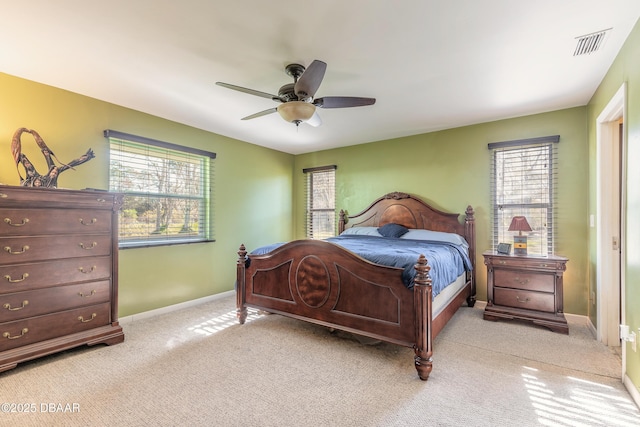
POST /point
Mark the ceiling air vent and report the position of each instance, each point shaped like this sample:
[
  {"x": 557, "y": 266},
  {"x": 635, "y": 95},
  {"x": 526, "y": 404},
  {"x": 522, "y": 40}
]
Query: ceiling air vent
[{"x": 589, "y": 43}]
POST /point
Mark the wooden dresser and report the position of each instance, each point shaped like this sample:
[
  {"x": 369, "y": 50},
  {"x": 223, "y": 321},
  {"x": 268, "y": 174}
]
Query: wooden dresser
[
  {"x": 526, "y": 288},
  {"x": 58, "y": 271}
]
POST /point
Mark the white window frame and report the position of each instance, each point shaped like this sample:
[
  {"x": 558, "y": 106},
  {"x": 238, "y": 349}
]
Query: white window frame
[
  {"x": 321, "y": 202},
  {"x": 523, "y": 182},
  {"x": 181, "y": 192}
]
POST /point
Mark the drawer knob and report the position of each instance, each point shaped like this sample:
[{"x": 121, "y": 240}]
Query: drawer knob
[
  {"x": 3, "y": 196},
  {"x": 93, "y": 221},
  {"x": 8, "y": 306},
  {"x": 83, "y": 295},
  {"x": 93, "y": 245},
  {"x": 82, "y": 319},
  {"x": 527, "y": 299},
  {"x": 10, "y": 280},
  {"x": 8, "y": 249},
  {"x": 17, "y": 224},
  {"x": 8, "y": 336},
  {"x": 521, "y": 281}
]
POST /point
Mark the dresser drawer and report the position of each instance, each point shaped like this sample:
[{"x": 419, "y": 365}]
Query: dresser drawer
[
  {"x": 50, "y": 198},
  {"x": 24, "y": 277},
  {"x": 35, "y": 329},
  {"x": 21, "y": 305},
  {"x": 524, "y": 280},
  {"x": 23, "y": 222},
  {"x": 40, "y": 248},
  {"x": 524, "y": 299}
]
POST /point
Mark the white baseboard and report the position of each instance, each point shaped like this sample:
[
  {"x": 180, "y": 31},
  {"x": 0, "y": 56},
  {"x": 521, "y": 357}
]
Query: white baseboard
[
  {"x": 632, "y": 389},
  {"x": 168, "y": 309},
  {"x": 592, "y": 328}
]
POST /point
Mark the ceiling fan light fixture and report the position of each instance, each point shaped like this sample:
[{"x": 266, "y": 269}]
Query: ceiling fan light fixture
[{"x": 296, "y": 111}]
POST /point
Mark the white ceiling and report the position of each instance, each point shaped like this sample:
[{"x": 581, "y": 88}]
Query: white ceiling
[{"x": 431, "y": 64}]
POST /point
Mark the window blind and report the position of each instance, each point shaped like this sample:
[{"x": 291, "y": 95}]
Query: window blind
[
  {"x": 166, "y": 187},
  {"x": 321, "y": 202},
  {"x": 523, "y": 182}
]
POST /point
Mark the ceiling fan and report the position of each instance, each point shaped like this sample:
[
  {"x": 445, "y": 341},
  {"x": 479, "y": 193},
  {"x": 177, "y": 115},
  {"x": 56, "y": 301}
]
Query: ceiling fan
[{"x": 297, "y": 102}]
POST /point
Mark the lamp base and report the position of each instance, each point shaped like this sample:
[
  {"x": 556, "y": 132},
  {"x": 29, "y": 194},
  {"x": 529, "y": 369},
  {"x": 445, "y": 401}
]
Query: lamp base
[{"x": 519, "y": 245}]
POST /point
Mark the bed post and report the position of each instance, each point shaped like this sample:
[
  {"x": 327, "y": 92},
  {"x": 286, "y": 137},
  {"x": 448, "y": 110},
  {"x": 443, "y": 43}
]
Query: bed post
[
  {"x": 241, "y": 308},
  {"x": 470, "y": 235},
  {"x": 423, "y": 299},
  {"x": 342, "y": 221}
]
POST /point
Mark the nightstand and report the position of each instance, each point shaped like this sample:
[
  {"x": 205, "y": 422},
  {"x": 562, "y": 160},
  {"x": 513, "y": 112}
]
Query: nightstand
[{"x": 526, "y": 287}]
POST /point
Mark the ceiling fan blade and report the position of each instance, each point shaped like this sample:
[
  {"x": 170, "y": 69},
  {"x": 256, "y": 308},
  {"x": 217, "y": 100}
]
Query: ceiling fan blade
[
  {"x": 343, "y": 102},
  {"x": 310, "y": 80},
  {"x": 315, "y": 120},
  {"x": 260, "y": 114},
  {"x": 249, "y": 91}
]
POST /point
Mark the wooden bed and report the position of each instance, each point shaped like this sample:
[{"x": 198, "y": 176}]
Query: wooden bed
[{"x": 323, "y": 283}]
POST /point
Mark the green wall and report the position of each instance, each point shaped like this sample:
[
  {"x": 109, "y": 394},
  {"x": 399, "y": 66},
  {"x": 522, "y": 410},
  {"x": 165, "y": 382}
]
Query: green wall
[
  {"x": 451, "y": 170},
  {"x": 252, "y": 187},
  {"x": 626, "y": 68}
]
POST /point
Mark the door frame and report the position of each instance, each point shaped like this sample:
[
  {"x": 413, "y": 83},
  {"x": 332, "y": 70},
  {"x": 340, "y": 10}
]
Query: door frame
[{"x": 610, "y": 178}]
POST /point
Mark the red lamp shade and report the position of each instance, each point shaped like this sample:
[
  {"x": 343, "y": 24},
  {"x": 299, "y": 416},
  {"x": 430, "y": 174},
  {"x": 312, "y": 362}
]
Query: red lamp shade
[{"x": 520, "y": 224}]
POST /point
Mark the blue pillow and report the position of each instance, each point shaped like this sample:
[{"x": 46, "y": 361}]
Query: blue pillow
[{"x": 392, "y": 230}]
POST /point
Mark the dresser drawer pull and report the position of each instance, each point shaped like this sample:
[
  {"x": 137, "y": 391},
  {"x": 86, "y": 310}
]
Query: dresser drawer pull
[
  {"x": 8, "y": 306},
  {"x": 93, "y": 221},
  {"x": 93, "y": 316},
  {"x": 83, "y": 295},
  {"x": 8, "y": 336},
  {"x": 17, "y": 224},
  {"x": 82, "y": 270},
  {"x": 10, "y": 280},
  {"x": 3, "y": 196},
  {"x": 522, "y": 282},
  {"x": 93, "y": 245},
  {"x": 8, "y": 249},
  {"x": 527, "y": 299},
  {"x": 101, "y": 200},
  {"x": 502, "y": 262}
]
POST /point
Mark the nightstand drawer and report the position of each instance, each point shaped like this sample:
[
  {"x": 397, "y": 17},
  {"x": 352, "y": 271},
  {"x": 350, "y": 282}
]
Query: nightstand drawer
[
  {"x": 537, "y": 264},
  {"x": 523, "y": 280},
  {"x": 524, "y": 299}
]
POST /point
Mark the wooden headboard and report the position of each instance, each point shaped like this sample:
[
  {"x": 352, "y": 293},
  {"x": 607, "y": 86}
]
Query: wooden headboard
[{"x": 410, "y": 211}]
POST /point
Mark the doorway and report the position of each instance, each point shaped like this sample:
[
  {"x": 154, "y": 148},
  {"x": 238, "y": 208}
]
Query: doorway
[{"x": 610, "y": 226}]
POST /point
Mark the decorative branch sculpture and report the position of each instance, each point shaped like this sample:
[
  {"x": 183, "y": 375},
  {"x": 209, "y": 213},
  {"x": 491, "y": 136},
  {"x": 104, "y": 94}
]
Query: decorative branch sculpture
[{"x": 33, "y": 178}]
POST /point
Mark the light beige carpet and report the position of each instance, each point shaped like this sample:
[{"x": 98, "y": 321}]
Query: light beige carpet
[{"x": 198, "y": 367}]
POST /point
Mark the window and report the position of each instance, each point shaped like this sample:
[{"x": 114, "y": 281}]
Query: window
[
  {"x": 166, "y": 190},
  {"x": 523, "y": 179},
  {"x": 321, "y": 202}
]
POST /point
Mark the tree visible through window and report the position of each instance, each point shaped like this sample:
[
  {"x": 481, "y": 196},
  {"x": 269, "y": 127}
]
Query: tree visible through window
[
  {"x": 321, "y": 202},
  {"x": 166, "y": 190},
  {"x": 523, "y": 175}
]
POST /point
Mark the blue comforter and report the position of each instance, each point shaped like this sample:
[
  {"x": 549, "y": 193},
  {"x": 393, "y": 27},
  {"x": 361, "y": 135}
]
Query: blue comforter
[{"x": 447, "y": 260}]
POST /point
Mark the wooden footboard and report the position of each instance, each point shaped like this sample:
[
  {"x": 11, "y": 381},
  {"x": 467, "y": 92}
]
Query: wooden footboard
[{"x": 323, "y": 283}]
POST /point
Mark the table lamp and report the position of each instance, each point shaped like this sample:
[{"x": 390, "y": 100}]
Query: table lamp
[{"x": 519, "y": 224}]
